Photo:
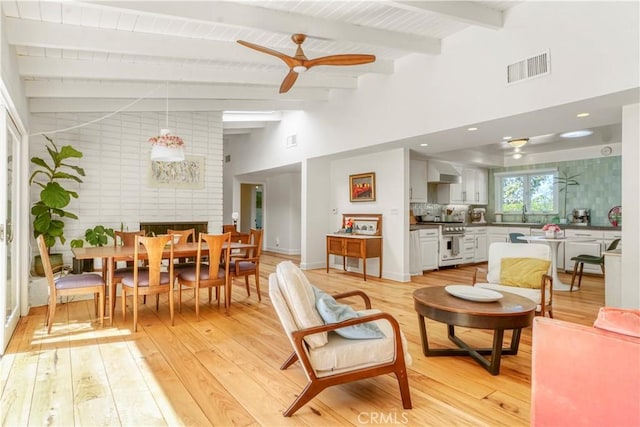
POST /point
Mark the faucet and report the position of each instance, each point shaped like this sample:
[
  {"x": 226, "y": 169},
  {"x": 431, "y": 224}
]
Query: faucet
[{"x": 524, "y": 213}]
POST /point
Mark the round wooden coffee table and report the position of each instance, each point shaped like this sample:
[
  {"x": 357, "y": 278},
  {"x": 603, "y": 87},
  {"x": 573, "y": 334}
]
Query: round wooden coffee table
[{"x": 512, "y": 312}]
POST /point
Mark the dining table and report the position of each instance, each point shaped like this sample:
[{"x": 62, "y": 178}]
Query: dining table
[
  {"x": 110, "y": 255},
  {"x": 554, "y": 243}
]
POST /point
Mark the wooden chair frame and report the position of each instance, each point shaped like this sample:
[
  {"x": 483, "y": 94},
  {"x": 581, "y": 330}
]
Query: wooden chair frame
[
  {"x": 546, "y": 281},
  {"x": 215, "y": 243},
  {"x": 316, "y": 384},
  {"x": 154, "y": 254},
  {"x": 97, "y": 290},
  {"x": 252, "y": 255}
]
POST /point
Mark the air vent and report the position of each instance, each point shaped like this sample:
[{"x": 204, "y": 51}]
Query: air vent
[
  {"x": 227, "y": 158},
  {"x": 529, "y": 68}
]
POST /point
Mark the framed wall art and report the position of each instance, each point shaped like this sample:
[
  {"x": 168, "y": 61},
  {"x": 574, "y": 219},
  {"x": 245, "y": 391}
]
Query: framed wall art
[
  {"x": 362, "y": 187},
  {"x": 186, "y": 174}
]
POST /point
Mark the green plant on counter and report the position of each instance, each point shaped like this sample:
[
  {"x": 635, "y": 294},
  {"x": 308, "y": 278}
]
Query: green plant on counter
[
  {"x": 564, "y": 182},
  {"x": 49, "y": 211}
]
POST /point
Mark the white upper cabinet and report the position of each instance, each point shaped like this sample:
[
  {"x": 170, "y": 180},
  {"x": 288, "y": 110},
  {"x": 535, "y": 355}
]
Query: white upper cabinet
[
  {"x": 474, "y": 188},
  {"x": 418, "y": 181}
]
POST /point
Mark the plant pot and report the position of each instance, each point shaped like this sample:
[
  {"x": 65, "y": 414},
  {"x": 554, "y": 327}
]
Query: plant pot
[
  {"x": 87, "y": 265},
  {"x": 56, "y": 261}
]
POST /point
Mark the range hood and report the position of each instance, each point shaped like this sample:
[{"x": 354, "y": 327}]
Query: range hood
[{"x": 442, "y": 173}]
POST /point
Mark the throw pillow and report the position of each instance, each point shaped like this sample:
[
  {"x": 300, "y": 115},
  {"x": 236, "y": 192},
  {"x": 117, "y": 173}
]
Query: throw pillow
[
  {"x": 332, "y": 311},
  {"x": 624, "y": 321},
  {"x": 298, "y": 293},
  {"x": 523, "y": 272}
]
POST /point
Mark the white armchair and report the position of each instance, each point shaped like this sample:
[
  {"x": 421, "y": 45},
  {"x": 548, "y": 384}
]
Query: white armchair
[
  {"x": 327, "y": 358},
  {"x": 525, "y": 278}
]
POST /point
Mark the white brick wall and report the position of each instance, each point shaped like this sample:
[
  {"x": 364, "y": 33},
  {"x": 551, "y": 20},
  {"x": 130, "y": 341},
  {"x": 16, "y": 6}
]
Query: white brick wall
[{"x": 116, "y": 162}]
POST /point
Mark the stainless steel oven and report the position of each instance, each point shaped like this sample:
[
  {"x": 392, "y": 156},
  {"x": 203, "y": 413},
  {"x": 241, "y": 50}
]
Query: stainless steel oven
[{"x": 451, "y": 245}]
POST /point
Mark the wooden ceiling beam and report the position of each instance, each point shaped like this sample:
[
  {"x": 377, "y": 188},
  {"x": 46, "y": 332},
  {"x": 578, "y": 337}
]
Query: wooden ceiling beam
[
  {"x": 467, "y": 12},
  {"x": 244, "y": 15},
  {"x": 21, "y": 32},
  {"x": 77, "y": 69},
  {"x": 134, "y": 90}
]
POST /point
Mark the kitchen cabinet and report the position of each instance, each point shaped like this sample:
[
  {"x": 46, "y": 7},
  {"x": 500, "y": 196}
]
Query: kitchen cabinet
[
  {"x": 418, "y": 181},
  {"x": 593, "y": 246},
  {"x": 480, "y": 238},
  {"x": 497, "y": 235},
  {"x": 472, "y": 189},
  {"x": 610, "y": 236},
  {"x": 468, "y": 248},
  {"x": 429, "y": 248}
]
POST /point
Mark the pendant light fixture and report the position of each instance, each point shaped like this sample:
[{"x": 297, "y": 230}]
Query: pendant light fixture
[
  {"x": 517, "y": 143},
  {"x": 167, "y": 147}
]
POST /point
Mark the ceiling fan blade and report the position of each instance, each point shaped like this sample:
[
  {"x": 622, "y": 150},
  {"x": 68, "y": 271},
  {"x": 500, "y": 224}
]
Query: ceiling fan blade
[
  {"x": 288, "y": 81},
  {"x": 291, "y": 62},
  {"x": 347, "y": 59}
]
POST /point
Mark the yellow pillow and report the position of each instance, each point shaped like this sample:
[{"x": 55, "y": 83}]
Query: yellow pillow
[{"x": 523, "y": 272}]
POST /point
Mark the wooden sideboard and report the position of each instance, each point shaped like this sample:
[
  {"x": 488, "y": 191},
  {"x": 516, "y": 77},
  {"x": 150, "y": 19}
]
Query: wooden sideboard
[{"x": 358, "y": 245}]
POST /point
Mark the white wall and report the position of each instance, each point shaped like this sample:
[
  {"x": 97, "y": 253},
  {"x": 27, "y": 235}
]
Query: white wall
[
  {"x": 594, "y": 50},
  {"x": 390, "y": 169},
  {"x": 283, "y": 206},
  {"x": 630, "y": 295},
  {"x": 116, "y": 161}
]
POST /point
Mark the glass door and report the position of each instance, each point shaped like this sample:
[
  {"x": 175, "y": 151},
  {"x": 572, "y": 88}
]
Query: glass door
[{"x": 9, "y": 283}]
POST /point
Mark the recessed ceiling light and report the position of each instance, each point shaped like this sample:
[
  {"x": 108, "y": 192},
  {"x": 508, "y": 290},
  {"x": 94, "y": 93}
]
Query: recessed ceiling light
[
  {"x": 506, "y": 138},
  {"x": 583, "y": 115},
  {"x": 424, "y": 145},
  {"x": 576, "y": 134},
  {"x": 517, "y": 155},
  {"x": 472, "y": 129}
]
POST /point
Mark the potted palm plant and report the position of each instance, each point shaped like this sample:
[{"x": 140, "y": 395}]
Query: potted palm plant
[
  {"x": 564, "y": 181},
  {"x": 49, "y": 211},
  {"x": 96, "y": 236}
]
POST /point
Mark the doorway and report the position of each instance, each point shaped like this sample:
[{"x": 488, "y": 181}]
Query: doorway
[
  {"x": 9, "y": 283},
  {"x": 251, "y": 207}
]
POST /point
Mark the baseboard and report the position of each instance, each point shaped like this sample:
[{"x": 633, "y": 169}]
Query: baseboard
[{"x": 283, "y": 251}]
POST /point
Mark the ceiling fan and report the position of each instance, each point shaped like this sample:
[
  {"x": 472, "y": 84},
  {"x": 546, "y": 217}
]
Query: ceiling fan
[{"x": 299, "y": 63}]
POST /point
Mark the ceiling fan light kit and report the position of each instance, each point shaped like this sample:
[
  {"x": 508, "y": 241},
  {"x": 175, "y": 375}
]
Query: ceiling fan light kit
[
  {"x": 517, "y": 143},
  {"x": 299, "y": 63}
]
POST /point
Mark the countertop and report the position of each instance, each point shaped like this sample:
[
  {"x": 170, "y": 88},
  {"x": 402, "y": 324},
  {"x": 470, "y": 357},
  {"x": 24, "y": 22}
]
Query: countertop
[{"x": 502, "y": 224}]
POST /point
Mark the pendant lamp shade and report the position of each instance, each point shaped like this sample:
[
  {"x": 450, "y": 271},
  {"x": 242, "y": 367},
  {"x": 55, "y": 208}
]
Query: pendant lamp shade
[{"x": 166, "y": 147}]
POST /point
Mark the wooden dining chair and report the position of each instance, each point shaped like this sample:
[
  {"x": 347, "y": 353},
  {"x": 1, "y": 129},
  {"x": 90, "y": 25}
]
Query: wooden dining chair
[
  {"x": 73, "y": 284},
  {"x": 208, "y": 274},
  {"x": 180, "y": 237},
  {"x": 123, "y": 239},
  {"x": 152, "y": 280},
  {"x": 249, "y": 265}
]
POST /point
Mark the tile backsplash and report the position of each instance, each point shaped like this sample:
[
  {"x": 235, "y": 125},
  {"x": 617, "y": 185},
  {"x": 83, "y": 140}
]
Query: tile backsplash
[{"x": 599, "y": 189}]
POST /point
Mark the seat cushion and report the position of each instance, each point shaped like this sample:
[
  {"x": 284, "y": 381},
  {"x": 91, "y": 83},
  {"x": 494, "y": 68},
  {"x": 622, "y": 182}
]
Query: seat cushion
[
  {"x": 75, "y": 281},
  {"x": 341, "y": 354},
  {"x": 301, "y": 300},
  {"x": 588, "y": 259},
  {"x": 332, "y": 311},
  {"x": 143, "y": 278},
  {"x": 245, "y": 266},
  {"x": 523, "y": 272},
  {"x": 534, "y": 295},
  {"x": 188, "y": 273}
]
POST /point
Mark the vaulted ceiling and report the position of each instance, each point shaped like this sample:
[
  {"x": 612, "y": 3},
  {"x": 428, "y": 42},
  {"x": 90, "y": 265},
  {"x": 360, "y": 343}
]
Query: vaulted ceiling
[{"x": 102, "y": 56}]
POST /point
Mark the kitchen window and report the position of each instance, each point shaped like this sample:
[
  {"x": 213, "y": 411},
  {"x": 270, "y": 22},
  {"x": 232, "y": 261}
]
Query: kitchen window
[{"x": 533, "y": 189}]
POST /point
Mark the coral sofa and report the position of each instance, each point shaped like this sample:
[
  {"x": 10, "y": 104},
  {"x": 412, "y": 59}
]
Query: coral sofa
[{"x": 587, "y": 376}]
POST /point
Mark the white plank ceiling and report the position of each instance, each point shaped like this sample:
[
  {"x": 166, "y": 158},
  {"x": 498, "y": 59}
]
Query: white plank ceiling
[{"x": 99, "y": 56}]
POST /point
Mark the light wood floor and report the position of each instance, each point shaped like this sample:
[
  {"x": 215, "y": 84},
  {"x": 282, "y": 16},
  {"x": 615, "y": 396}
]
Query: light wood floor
[{"x": 224, "y": 370}]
